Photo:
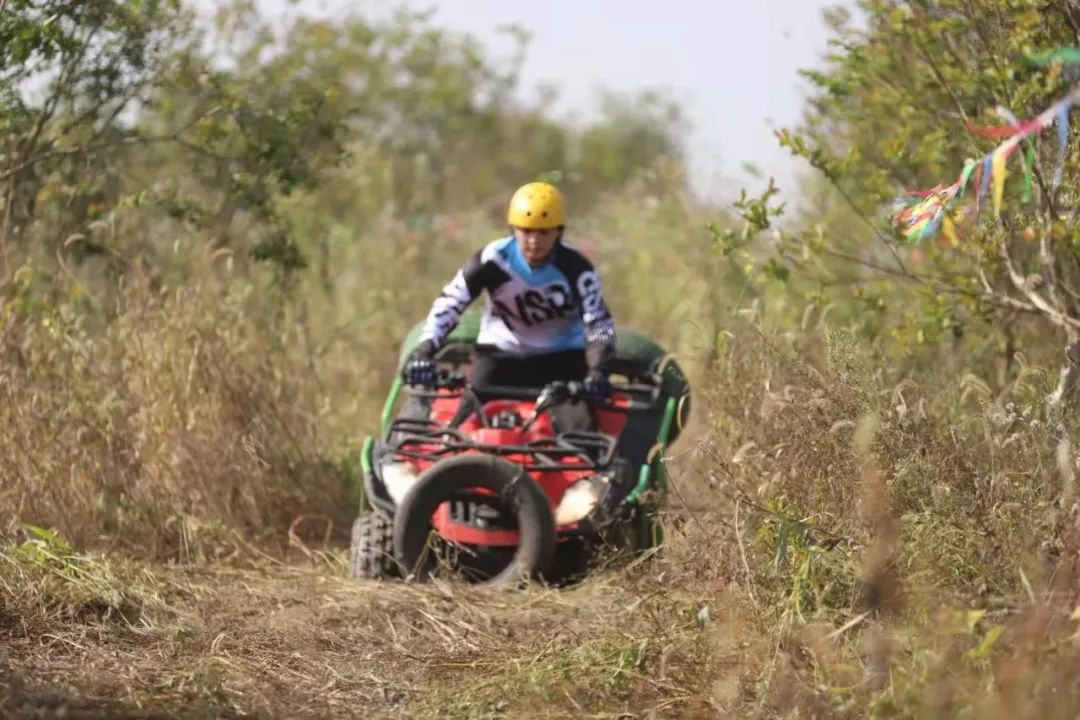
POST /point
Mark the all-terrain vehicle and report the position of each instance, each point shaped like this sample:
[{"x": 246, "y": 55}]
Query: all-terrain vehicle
[{"x": 482, "y": 481}]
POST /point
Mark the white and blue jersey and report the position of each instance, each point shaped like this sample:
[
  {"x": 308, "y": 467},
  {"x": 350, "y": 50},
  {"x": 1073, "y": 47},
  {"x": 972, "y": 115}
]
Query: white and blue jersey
[{"x": 528, "y": 311}]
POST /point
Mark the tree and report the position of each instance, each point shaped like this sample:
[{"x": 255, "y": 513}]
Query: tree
[
  {"x": 895, "y": 110},
  {"x": 253, "y": 145},
  {"x": 71, "y": 71}
]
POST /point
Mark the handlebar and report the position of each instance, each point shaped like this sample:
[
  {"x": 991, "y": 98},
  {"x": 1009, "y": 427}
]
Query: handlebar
[{"x": 551, "y": 394}]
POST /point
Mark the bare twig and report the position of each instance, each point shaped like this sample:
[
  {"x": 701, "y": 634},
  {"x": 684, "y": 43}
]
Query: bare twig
[
  {"x": 941, "y": 285},
  {"x": 862, "y": 216},
  {"x": 742, "y": 553},
  {"x": 71, "y": 152},
  {"x": 1027, "y": 585},
  {"x": 295, "y": 540},
  {"x": 678, "y": 494},
  {"x": 1055, "y": 315},
  {"x": 871, "y": 265},
  {"x": 70, "y": 67},
  {"x": 944, "y": 83},
  {"x": 255, "y": 550},
  {"x": 176, "y": 136},
  {"x": 848, "y": 625},
  {"x": 1067, "y": 11},
  {"x": 1046, "y": 259}
]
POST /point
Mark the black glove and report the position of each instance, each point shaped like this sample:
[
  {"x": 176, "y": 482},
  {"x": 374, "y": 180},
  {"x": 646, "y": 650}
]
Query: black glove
[
  {"x": 419, "y": 370},
  {"x": 597, "y": 385}
]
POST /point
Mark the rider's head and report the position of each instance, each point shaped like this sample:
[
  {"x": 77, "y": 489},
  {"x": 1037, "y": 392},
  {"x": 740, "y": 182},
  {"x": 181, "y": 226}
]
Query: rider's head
[{"x": 537, "y": 216}]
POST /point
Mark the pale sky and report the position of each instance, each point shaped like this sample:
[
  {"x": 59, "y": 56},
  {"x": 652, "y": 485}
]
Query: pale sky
[{"x": 733, "y": 65}]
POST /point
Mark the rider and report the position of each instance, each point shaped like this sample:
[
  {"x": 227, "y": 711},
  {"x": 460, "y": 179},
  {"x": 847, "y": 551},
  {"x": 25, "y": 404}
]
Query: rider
[{"x": 544, "y": 318}]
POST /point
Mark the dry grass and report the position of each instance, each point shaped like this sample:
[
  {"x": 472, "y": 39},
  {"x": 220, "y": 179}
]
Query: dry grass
[
  {"x": 837, "y": 548},
  {"x": 162, "y": 433},
  {"x": 842, "y": 542},
  {"x": 279, "y": 640},
  {"x": 910, "y": 553}
]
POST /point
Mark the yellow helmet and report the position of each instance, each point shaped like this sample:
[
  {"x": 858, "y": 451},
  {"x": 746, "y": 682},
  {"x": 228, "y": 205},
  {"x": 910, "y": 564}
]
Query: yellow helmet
[{"x": 537, "y": 205}]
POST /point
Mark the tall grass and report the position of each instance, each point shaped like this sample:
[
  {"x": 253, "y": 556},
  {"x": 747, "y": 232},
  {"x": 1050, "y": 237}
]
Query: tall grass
[
  {"x": 170, "y": 421},
  {"x": 908, "y": 546},
  {"x": 849, "y": 535},
  {"x": 162, "y": 409}
]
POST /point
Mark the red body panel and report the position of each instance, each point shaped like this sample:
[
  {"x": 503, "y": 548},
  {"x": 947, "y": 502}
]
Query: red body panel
[
  {"x": 462, "y": 533},
  {"x": 554, "y": 483}
]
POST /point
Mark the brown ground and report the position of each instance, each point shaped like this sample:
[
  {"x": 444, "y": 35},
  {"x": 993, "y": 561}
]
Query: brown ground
[{"x": 276, "y": 640}]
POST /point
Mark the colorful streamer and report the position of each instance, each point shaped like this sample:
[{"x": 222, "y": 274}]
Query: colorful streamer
[
  {"x": 1029, "y": 157},
  {"x": 1064, "y": 56},
  {"x": 984, "y": 170},
  {"x": 948, "y": 227},
  {"x": 1063, "y": 142},
  {"x": 921, "y": 214},
  {"x": 1000, "y": 155}
]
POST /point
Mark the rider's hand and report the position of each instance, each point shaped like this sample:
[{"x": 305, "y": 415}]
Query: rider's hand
[
  {"x": 597, "y": 385},
  {"x": 419, "y": 370}
]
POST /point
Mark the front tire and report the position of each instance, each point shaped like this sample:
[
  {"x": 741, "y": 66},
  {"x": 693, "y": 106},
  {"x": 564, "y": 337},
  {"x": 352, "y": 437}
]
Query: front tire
[
  {"x": 536, "y": 525},
  {"x": 371, "y": 552}
]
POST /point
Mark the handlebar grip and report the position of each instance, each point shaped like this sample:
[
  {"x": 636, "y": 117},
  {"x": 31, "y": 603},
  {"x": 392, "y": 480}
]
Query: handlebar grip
[{"x": 449, "y": 380}]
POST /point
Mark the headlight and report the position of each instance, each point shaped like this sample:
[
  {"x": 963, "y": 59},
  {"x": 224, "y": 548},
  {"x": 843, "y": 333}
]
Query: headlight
[
  {"x": 580, "y": 499},
  {"x": 398, "y": 477}
]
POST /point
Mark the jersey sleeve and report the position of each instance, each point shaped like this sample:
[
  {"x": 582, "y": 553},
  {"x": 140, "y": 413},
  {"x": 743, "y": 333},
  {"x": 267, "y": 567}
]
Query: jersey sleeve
[
  {"x": 600, "y": 342},
  {"x": 466, "y": 285}
]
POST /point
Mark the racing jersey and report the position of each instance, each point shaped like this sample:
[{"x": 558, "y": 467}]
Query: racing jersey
[{"x": 528, "y": 311}]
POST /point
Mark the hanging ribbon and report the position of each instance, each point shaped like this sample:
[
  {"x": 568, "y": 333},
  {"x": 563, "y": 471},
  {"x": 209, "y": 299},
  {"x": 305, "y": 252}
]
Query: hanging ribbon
[
  {"x": 1057, "y": 113},
  {"x": 948, "y": 227},
  {"x": 1063, "y": 142},
  {"x": 1003, "y": 131},
  {"x": 921, "y": 214},
  {"x": 1064, "y": 56},
  {"x": 1029, "y": 157},
  {"x": 987, "y": 172}
]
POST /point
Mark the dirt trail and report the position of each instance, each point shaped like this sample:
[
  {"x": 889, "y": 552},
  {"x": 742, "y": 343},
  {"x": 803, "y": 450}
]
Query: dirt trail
[{"x": 278, "y": 640}]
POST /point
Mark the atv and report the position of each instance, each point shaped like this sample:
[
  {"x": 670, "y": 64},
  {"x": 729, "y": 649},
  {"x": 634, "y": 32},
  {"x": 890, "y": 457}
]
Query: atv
[{"x": 481, "y": 480}]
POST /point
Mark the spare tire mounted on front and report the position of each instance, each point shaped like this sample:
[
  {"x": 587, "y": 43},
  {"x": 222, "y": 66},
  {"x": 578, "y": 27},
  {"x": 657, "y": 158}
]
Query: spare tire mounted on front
[{"x": 457, "y": 476}]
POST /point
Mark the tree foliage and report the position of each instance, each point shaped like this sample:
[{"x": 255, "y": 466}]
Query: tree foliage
[
  {"x": 120, "y": 110},
  {"x": 892, "y": 112},
  {"x": 70, "y": 73}
]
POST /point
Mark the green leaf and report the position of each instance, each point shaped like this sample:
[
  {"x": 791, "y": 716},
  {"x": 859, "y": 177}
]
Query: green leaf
[
  {"x": 987, "y": 645},
  {"x": 777, "y": 270},
  {"x": 963, "y": 622}
]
